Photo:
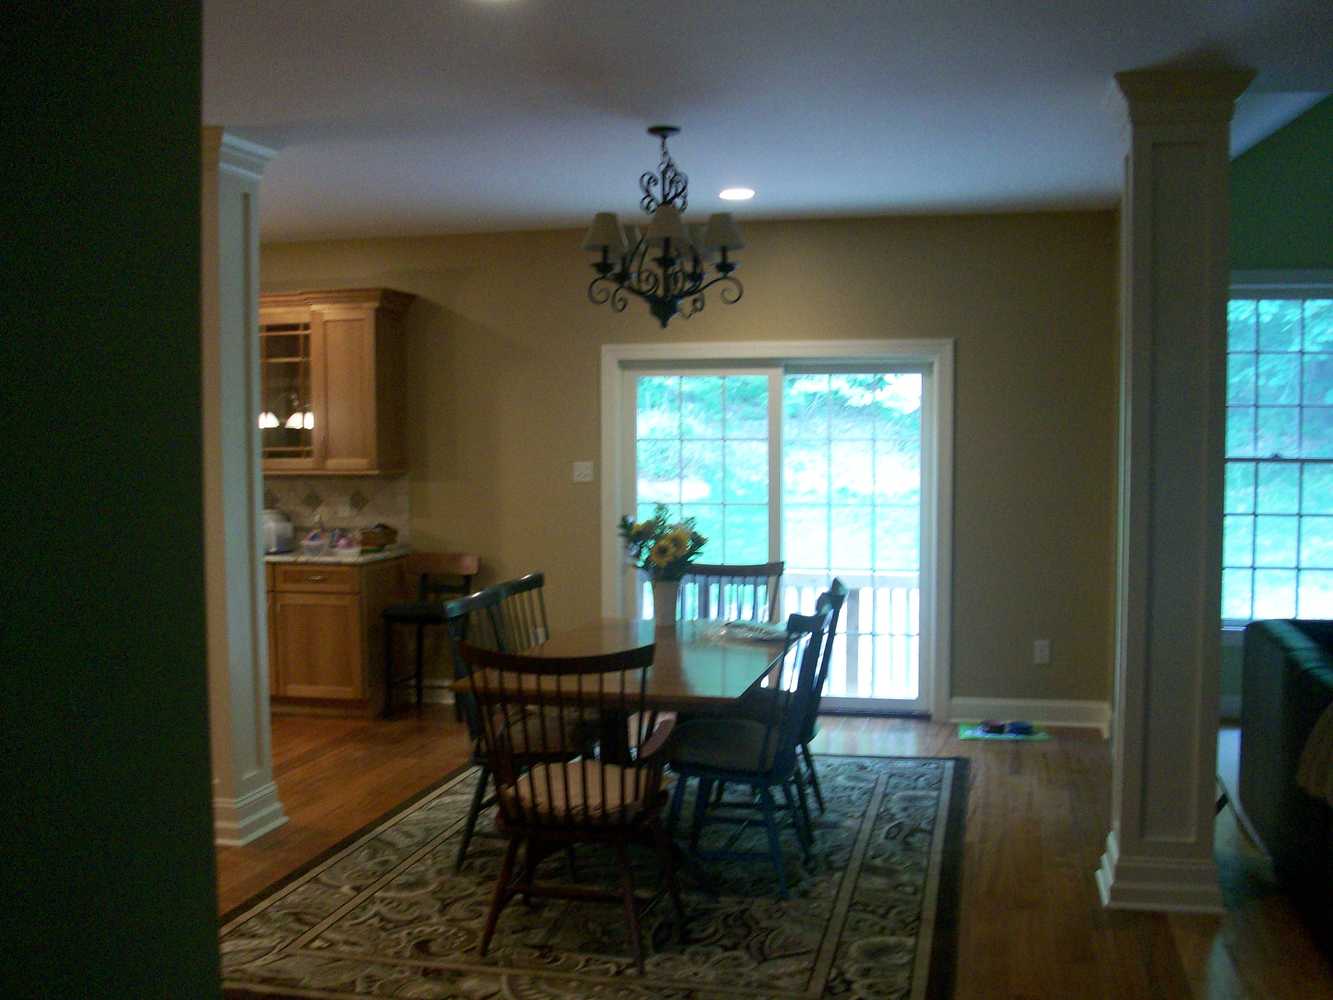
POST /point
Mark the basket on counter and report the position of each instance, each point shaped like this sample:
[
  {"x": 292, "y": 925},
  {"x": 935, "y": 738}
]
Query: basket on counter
[{"x": 378, "y": 537}]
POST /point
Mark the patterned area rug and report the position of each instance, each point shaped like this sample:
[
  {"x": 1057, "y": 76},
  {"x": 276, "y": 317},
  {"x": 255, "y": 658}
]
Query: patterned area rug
[{"x": 384, "y": 915}]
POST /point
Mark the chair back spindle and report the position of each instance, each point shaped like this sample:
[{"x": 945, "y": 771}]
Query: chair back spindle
[{"x": 714, "y": 591}]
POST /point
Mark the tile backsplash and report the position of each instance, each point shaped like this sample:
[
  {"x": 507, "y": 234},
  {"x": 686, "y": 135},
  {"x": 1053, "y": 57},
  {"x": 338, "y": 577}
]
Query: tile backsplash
[{"x": 341, "y": 501}]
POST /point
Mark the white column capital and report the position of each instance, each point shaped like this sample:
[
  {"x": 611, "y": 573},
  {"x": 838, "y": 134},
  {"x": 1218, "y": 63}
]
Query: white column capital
[{"x": 230, "y": 153}]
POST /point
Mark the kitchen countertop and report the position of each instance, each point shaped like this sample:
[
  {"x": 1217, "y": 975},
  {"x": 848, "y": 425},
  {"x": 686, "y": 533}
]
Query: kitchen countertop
[{"x": 361, "y": 559}]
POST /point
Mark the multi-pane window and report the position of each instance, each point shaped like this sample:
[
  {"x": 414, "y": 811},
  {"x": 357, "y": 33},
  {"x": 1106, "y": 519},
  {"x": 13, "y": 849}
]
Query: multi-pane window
[
  {"x": 701, "y": 444},
  {"x": 1277, "y": 547}
]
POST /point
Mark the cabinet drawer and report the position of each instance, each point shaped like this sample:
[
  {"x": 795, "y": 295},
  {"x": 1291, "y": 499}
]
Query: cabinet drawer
[{"x": 317, "y": 579}]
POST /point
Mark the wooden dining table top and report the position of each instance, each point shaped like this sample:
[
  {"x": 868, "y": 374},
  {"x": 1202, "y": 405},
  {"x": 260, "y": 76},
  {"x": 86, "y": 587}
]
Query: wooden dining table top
[{"x": 693, "y": 666}]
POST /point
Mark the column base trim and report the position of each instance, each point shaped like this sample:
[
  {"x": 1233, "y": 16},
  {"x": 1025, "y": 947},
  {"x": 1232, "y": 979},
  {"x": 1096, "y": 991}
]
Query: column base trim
[
  {"x": 1164, "y": 885},
  {"x": 239, "y": 821}
]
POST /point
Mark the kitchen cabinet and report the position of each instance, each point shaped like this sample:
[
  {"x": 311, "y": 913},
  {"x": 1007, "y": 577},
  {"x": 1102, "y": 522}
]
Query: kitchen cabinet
[
  {"x": 331, "y": 381},
  {"x": 325, "y": 635}
]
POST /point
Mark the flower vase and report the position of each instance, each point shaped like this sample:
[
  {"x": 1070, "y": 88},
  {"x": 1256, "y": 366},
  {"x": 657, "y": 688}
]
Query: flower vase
[{"x": 665, "y": 593}]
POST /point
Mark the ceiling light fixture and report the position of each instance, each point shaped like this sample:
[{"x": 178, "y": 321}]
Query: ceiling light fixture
[
  {"x": 736, "y": 194},
  {"x": 665, "y": 265}
]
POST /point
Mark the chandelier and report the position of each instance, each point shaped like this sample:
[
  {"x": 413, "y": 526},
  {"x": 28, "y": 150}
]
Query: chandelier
[{"x": 665, "y": 265}]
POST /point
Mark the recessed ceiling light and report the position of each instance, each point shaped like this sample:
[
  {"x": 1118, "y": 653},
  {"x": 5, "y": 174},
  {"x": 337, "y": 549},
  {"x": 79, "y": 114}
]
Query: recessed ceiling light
[{"x": 736, "y": 194}]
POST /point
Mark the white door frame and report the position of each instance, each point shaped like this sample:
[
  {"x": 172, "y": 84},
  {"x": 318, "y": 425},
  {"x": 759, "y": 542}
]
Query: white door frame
[{"x": 936, "y": 356}]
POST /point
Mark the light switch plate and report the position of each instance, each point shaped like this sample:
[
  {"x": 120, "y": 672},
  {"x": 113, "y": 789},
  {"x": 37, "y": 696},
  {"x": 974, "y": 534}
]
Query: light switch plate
[
  {"x": 582, "y": 472},
  {"x": 1041, "y": 652}
]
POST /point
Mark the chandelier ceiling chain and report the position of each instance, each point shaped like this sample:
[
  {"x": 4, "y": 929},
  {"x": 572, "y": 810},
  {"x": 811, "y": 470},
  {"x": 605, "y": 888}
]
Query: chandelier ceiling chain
[{"x": 666, "y": 265}]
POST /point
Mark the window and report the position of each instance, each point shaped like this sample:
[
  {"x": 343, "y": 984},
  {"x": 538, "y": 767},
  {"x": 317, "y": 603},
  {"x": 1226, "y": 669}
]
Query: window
[{"x": 1277, "y": 539}]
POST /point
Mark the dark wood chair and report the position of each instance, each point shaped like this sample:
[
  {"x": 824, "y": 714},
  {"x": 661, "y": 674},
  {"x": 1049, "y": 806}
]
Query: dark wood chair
[
  {"x": 571, "y": 798},
  {"x": 523, "y": 608},
  {"x": 479, "y": 620},
  {"x": 758, "y": 752},
  {"x": 730, "y": 593},
  {"x": 753, "y": 704},
  {"x": 438, "y": 575}
]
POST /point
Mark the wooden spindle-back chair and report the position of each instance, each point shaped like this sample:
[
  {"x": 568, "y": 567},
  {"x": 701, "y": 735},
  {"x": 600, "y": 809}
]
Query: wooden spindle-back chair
[
  {"x": 758, "y": 752},
  {"x": 720, "y": 592},
  {"x": 526, "y": 700},
  {"x": 523, "y": 612}
]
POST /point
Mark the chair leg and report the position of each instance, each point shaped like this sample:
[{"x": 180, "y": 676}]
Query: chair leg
[
  {"x": 631, "y": 908},
  {"x": 797, "y": 820},
  {"x": 421, "y": 654},
  {"x": 470, "y": 824},
  {"x": 700, "y": 809},
  {"x": 667, "y": 861},
  {"x": 770, "y": 809},
  {"x": 388, "y": 670},
  {"x": 804, "y": 806},
  {"x": 677, "y": 799},
  {"x": 502, "y": 894},
  {"x": 814, "y": 777}
]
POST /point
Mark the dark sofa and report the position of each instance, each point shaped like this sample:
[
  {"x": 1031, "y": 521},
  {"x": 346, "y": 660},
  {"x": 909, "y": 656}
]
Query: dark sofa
[{"x": 1287, "y": 684}]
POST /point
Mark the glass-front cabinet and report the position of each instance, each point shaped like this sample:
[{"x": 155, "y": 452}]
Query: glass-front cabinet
[
  {"x": 331, "y": 381},
  {"x": 287, "y": 395}
]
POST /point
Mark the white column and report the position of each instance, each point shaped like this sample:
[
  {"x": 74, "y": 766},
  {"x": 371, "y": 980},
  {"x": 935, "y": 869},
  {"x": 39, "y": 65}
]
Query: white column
[
  {"x": 245, "y": 800},
  {"x": 1159, "y": 852}
]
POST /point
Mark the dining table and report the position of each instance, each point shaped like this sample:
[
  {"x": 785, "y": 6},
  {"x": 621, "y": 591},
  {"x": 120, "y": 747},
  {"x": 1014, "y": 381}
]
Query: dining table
[{"x": 700, "y": 667}]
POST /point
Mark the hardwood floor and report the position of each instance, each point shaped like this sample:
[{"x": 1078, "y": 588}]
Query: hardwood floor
[{"x": 1031, "y": 924}]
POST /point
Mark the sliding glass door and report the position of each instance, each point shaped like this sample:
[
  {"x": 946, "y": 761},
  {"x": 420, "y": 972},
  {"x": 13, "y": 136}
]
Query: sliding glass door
[{"x": 820, "y": 466}]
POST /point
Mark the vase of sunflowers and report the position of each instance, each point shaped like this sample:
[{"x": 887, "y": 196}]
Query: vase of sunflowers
[{"x": 664, "y": 550}]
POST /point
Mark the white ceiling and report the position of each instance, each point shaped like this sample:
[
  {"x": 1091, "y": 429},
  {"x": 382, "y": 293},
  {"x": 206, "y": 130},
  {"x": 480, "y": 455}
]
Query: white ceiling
[{"x": 406, "y": 117}]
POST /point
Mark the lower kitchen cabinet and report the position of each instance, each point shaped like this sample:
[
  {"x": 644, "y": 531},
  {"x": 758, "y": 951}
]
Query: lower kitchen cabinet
[{"x": 325, "y": 635}]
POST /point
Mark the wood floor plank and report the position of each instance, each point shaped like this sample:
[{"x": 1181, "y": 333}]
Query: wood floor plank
[{"x": 1031, "y": 923}]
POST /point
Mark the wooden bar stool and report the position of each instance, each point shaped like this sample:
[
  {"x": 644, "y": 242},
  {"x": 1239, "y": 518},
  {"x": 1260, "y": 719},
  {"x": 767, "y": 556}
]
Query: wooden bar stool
[{"x": 439, "y": 575}]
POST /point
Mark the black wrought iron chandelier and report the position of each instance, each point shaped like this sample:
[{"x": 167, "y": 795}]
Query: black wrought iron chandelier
[{"x": 665, "y": 265}]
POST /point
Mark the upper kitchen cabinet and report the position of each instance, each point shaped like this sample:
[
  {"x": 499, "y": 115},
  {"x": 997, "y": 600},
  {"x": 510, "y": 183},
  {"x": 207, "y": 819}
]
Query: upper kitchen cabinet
[{"x": 332, "y": 365}]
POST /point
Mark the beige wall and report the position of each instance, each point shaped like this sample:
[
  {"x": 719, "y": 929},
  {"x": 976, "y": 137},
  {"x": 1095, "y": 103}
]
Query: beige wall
[{"x": 503, "y": 396}]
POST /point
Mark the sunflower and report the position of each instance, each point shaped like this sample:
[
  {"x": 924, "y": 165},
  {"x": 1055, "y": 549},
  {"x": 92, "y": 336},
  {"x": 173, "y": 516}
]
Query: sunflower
[{"x": 664, "y": 553}]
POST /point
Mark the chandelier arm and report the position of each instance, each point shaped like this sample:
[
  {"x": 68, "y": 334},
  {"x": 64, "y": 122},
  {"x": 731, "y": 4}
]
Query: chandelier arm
[
  {"x": 600, "y": 289},
  {"x": 731, "y": 290}
]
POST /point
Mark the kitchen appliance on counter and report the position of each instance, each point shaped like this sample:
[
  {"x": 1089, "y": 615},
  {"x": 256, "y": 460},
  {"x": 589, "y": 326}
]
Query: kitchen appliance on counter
[{"x": 277, "y": 532}]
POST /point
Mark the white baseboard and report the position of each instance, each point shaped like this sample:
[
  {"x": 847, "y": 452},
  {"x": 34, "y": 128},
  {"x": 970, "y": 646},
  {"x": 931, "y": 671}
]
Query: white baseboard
[
  {"x": 237, "y": 822},
  {"x": 1162, "y": 885},
  {"x": 1047, "y": 711},
  {"x": 1229, "y": 707}
]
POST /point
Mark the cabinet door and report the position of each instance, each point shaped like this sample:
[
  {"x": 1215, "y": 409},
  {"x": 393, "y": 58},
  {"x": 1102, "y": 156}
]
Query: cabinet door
[
  {"x": 347, "y": 339},
  {"x": 318, "y": 644},
  {"x": 290, "y": 387}
]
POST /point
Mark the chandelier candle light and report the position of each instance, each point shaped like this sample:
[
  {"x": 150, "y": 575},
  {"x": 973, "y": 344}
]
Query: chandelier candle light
[{"x": 665, "y": 265}]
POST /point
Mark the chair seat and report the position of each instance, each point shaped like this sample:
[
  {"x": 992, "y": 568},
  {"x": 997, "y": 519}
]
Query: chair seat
[
  {"x": 593, "y": 791},
  {"x": 416, "y": 613},
  {"x": 722, "y": 744},
  {"x": 757, "y": 704}
]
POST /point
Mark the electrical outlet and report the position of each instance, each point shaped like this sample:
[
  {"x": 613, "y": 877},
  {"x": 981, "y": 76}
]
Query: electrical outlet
[
  {"x": 582, "y": 472},
  {"x": 1041, "y": 652}
]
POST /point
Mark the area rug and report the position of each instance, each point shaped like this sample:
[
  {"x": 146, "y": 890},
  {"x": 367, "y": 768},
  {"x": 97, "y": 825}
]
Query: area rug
[{"x": 384, "y": 915}]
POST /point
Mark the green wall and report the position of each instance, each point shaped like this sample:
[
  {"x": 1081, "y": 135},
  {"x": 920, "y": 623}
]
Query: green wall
[
  {"x": 107, "y": 840},
  {"x": 1282, "y": 220},
  {"x": 1282, "y": 197}
]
